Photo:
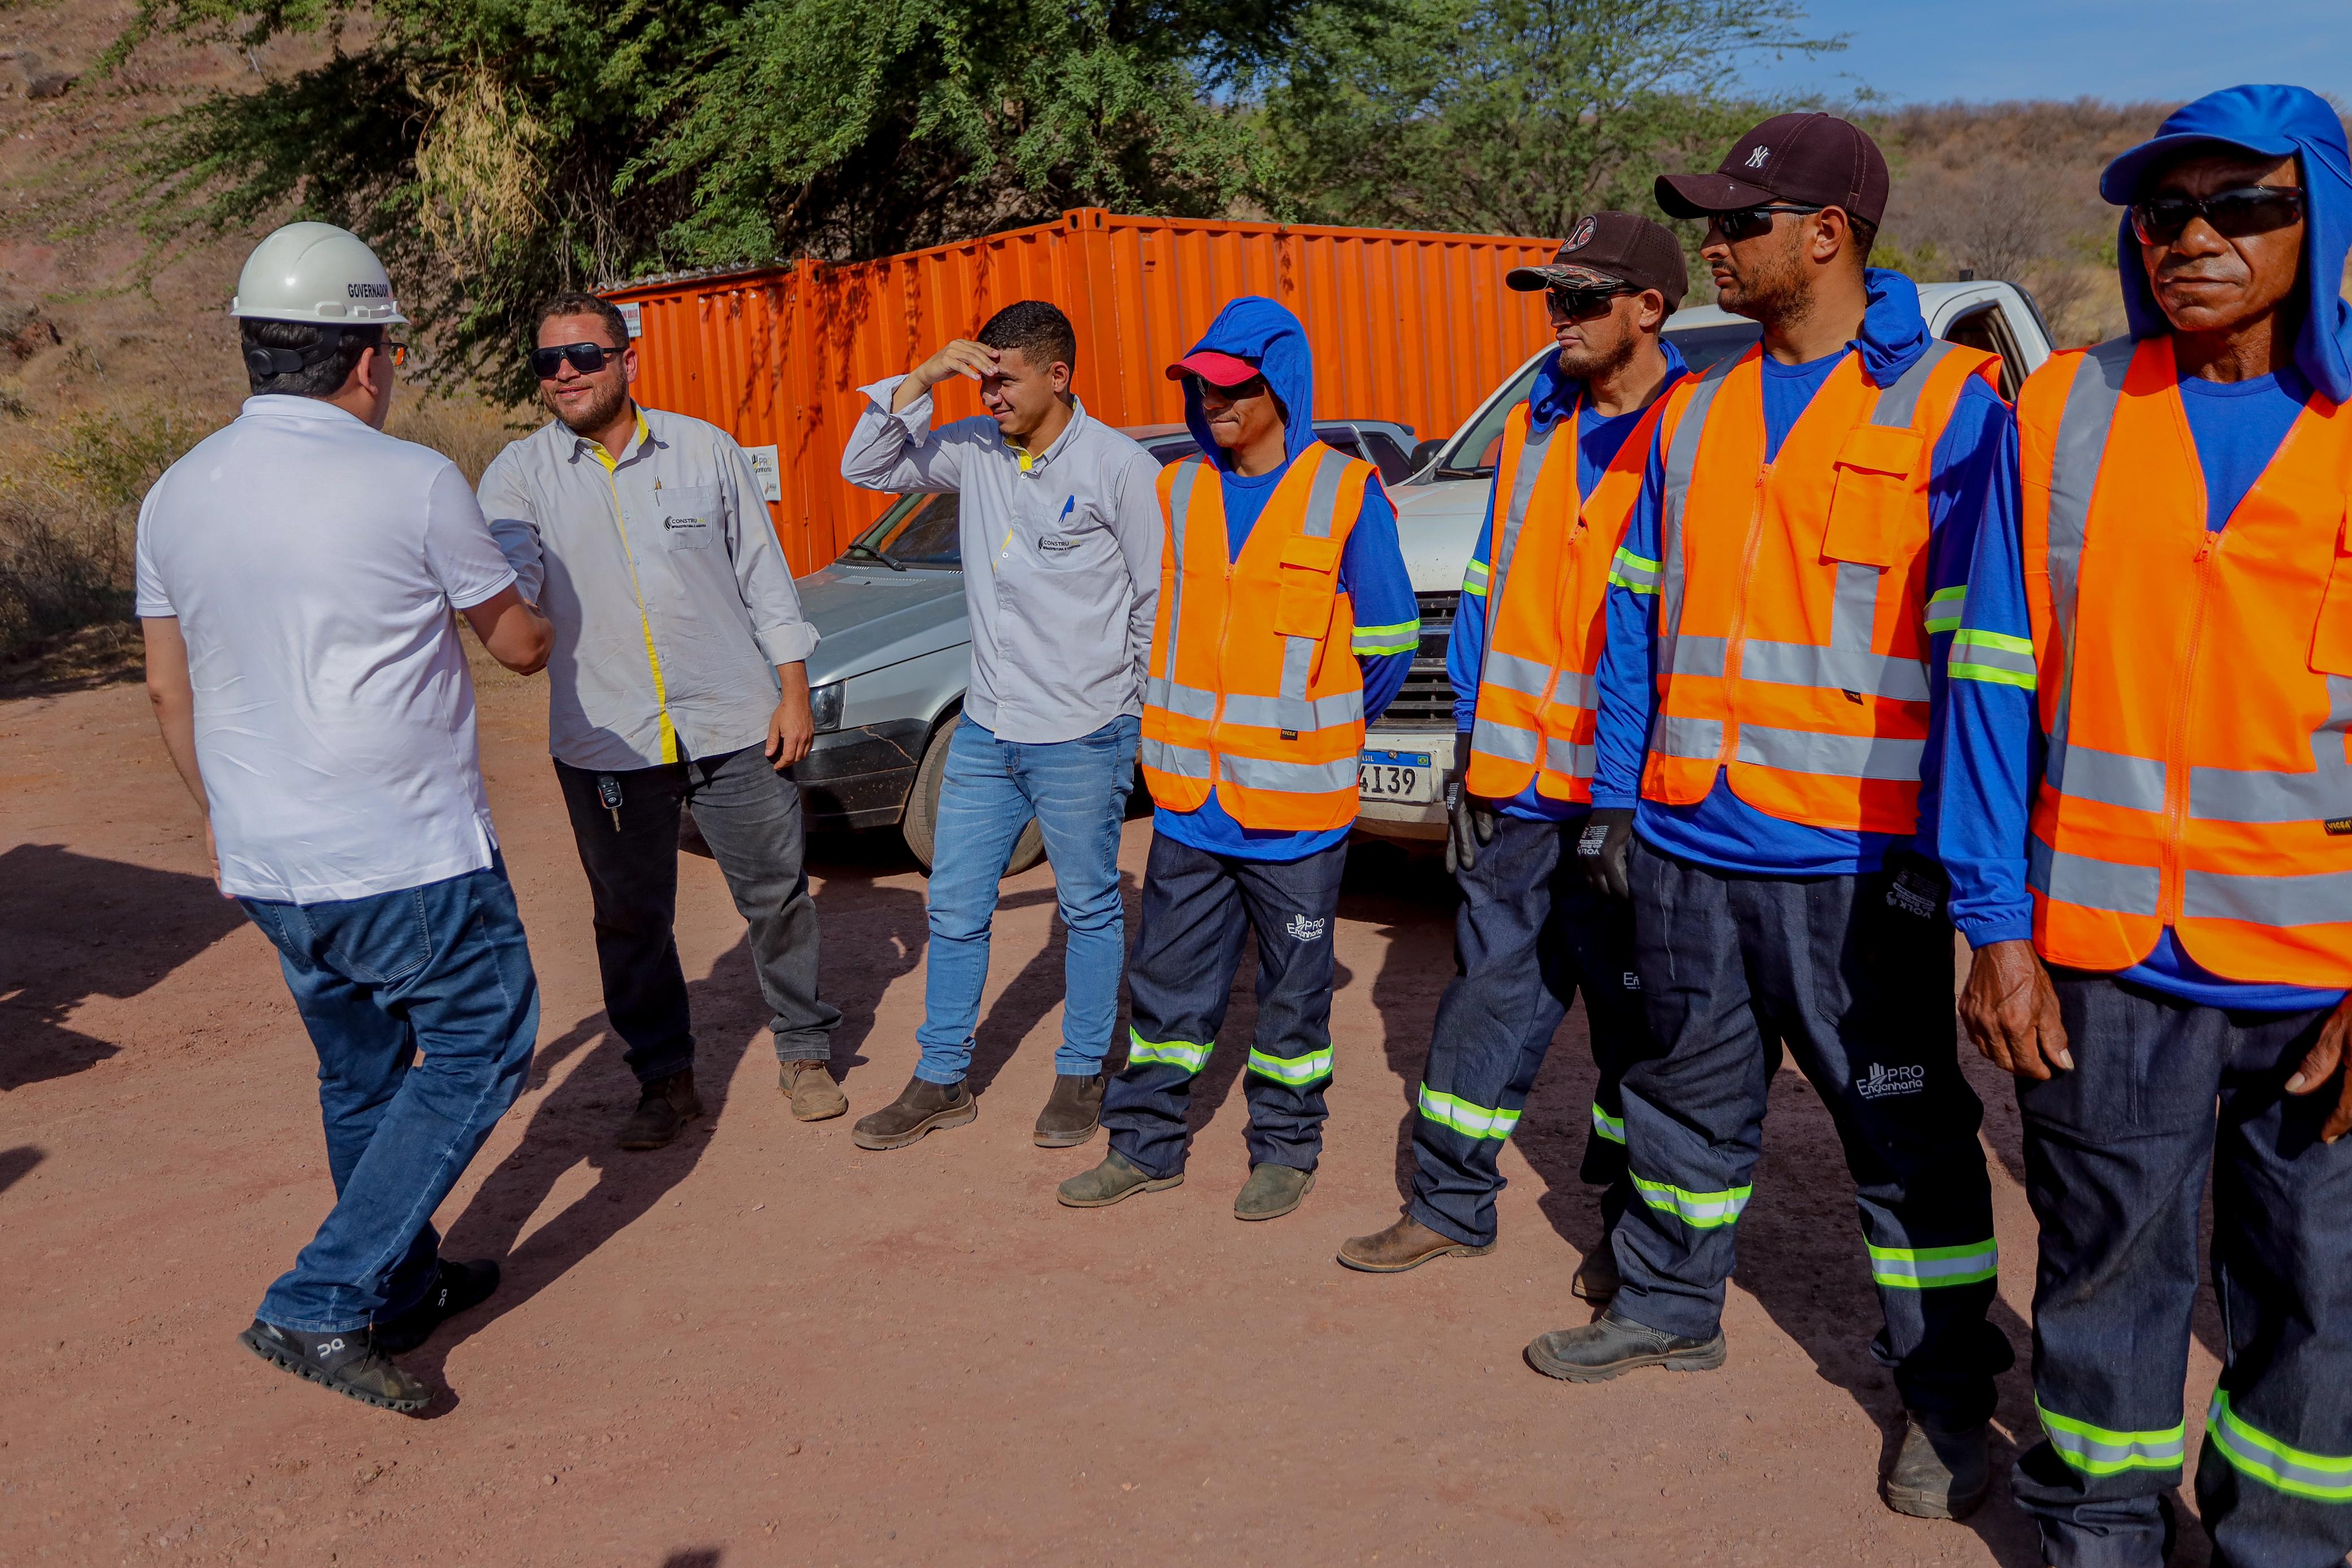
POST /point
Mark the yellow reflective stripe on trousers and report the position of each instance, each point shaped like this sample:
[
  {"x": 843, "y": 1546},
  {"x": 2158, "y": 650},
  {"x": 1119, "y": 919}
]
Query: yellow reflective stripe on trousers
[
  {"x": 1402, "y": 637},
  {"x": 1610, "y": 1127},
  {"x": 1994, "y": 657},
  {"x": 2103, "y": 1451},
  {"x": 1180, "y": 1053},
  {"x": 1295, "y": 1069},
  {"x": 2323, "y": 1478},
  {"x": 1699, "y": 1210},
  {"x": 1461, "y": 1116},
  {"x": 1926, "y": 1268},
  {"x": 1944, "y": 607}
]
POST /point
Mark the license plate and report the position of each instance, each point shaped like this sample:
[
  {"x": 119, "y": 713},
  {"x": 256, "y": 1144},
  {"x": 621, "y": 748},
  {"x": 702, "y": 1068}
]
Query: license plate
[{"x": 1404, "y": 776}]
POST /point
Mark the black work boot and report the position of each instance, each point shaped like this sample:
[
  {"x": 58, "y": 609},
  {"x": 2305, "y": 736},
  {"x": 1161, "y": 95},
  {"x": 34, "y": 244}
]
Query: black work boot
[
  {"x": 1610, "y": 1346},
  {"x": 1272, "y": 1191},
  {"x": 1938, "y": 1474},
  {"x": 922, "y": 1107},
  {"x": 1073, "y": 1111},
  {"x": 1596, "y": 1278},
  {"x": 1407, "y": 1244},
  {"x": 1117, "y": 1177},
  {"x": 663, "y": 1107},
  {"x": 456, "y": 1287},
  {"x": 350, "y": 1362}
]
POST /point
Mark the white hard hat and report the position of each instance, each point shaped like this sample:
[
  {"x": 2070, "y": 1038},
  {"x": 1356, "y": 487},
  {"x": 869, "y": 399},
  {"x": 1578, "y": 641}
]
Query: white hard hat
[{"x": 316, "y": 273}]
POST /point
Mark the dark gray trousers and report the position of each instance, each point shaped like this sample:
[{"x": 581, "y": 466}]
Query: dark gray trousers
[{"x": 750, "y": 817}]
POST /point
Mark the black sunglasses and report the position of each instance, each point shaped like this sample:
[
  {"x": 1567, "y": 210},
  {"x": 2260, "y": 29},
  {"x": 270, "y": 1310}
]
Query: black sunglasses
[
  {"x": 1577, "y": 304},
  {"x": 586, "y": 357},
  {"x": 2234, "y": 215},
  {"x": 1250, "y": 388},
  {"x": 1747, "y": 223}
]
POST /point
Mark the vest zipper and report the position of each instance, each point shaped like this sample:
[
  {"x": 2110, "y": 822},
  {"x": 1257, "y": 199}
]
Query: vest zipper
[
  {"x": 2177, "y": 776},
  {"x": 1737, "y": 639}
]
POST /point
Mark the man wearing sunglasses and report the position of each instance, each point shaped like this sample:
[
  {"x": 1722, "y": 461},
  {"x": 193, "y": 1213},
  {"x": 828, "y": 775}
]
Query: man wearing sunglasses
[
  {"x": 678, "y": 685},
  {"x": 1770, "y": 698},
  {"x": 2148, "y": 814},
  {"x": 1530, "y": 933}
]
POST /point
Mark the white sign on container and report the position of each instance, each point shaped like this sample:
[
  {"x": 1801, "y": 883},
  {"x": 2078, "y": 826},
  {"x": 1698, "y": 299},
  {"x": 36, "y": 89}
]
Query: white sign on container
[
  {"x": 634, "y": 316},
  {"x": 763, "y": 463}
]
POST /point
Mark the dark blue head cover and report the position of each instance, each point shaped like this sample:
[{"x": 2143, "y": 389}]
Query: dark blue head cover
[
  {"x": 2268, "y": 121},
  {"x": 1269, "y": 337}
]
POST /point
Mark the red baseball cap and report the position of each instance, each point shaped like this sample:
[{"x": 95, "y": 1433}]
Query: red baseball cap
[{"x": 1217, "y": 370}]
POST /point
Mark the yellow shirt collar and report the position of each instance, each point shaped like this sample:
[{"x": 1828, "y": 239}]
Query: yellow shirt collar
[{"x": 611, "y": 462}]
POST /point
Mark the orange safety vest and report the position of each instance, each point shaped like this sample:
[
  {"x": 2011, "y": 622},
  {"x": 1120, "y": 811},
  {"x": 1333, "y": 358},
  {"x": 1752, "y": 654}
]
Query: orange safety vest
[
  {"x": 1253, "y": 688},
  {"x": 2196, "y": 773},
  {"x": 1546, "y": 583},
  {"x": 1793, "y": 612}
]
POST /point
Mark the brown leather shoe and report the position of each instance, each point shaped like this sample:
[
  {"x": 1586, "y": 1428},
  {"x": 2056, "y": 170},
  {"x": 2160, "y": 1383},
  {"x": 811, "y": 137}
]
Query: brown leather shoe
[
  {"x": 1072, "y": 1113},
  {"x": 920, "y": 1107},
  {"x": 667, "y": 1105},
  {"x": 1407, "y": 1244},
  {"x": 810, "y": 1087}
]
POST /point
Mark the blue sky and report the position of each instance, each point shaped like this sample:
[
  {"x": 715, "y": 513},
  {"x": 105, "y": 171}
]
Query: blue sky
[{"x": 1920, "y": 51}]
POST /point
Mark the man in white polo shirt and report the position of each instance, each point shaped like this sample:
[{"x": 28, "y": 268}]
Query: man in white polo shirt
[{"x": 296, "y": 575}]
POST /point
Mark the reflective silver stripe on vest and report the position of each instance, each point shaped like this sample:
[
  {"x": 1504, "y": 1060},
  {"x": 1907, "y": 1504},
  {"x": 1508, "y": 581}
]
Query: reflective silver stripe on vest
[
  {"x": 1575, "y": 689},
  {"x": 1523, "y": 489},
  {"x": 1840, "y": 668},
  {"x": 1682, "y": 463},
  {"x": 1899, "y": 404},
  {"x": 1570, "y": 757},
  {"x": 2321, "y": 898},
  {"x": 1287, "y": 777},
  {"x": 1698, "y": 656},
  {"x": 2092, "y": 884},
  {"x": 1529, "y": 677},
  {"x": 1694, "y": 738},
  {"x": 1190, "y": 702},
  {"x": 2109, "y": 777},
  {"x": 1834, "y": 755},
  {"x": 2249, "y": 795},
  {"x": 2083, "y": 427},
  {"x": 1507, "y": 741},
  {"x": 1182, "y": 761},
  {"x": 1284, "y": 712},
  {"x": 1298, "y": 653},
  {"x": 1180, "y": 502}
]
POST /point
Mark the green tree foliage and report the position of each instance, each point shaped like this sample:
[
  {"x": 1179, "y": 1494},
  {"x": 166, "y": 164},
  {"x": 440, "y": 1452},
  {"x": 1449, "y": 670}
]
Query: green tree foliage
[
  {"x": 1510, "y": 116},
  {"x": 495, "y": 150}
]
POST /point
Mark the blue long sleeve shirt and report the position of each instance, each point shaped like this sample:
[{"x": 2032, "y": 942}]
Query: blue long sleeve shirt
[
  {"x": 1599, "y": 438},
  {"x": 1969, "y": 474},
  {"x": 1372, "y": 575},
  {"x": 1996, "y": 740}
]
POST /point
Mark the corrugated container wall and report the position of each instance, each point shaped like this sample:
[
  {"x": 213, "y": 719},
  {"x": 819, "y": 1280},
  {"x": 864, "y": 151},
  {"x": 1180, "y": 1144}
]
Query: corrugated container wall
[{"x": 1409, "y": 326}]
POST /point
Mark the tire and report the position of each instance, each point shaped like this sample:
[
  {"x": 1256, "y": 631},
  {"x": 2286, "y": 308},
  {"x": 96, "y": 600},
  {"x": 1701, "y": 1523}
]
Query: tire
[{"x": 920, "y": 825}]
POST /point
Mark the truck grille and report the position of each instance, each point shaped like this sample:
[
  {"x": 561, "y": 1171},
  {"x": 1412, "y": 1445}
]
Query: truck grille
[{"x": 1427, "y": 700}]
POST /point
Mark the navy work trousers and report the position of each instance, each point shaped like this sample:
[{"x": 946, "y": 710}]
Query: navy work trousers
[
  {"x": 2116, "y": 1155},
  {"x": 1197, "y": 908},
  {"x": 1530, "y": 933},
  {"x": 1735, "y": 969}
]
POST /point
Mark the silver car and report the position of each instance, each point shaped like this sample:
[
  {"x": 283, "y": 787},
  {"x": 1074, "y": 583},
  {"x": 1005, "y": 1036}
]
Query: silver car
[{"x": 893, "y": 657}]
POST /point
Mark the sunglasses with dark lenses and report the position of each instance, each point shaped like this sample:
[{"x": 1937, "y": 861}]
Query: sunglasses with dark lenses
[
  {"x": 586, "y": 357},
  {"x": 2234, "y": 215},
  {"x": 1747, "y": 223},
  {"x": 1576, "y": 304},
  {"x": 1250, "y": 388}
]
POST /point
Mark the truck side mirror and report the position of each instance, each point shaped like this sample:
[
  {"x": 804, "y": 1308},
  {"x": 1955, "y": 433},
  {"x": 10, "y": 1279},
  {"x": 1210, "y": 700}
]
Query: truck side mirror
[{"x": 1424, "y": 453}]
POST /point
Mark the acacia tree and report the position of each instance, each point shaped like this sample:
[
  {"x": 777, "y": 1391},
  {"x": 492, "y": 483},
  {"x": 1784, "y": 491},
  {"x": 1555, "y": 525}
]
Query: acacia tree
[
  {"x": 1509, "y": 116},
  {"x": 495, "y": 150}
]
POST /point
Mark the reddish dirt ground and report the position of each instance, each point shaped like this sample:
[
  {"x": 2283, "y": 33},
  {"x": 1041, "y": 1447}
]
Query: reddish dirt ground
[{"x": 762, "y": 1346}]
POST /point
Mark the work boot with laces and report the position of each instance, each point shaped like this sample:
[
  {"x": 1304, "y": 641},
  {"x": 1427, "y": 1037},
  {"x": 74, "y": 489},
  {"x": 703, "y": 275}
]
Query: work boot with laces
[
  {"x": 663, "y": 1107},
  {"x": 456, "y": 1287},
  {"x": 809, "y": 1085},
  {"x": 1407, "y": 1244},
  {"x": 922, "y": 1107},
  {"x": 1938, "y": 1474},
  {"x": 1073, "y": 1111}
]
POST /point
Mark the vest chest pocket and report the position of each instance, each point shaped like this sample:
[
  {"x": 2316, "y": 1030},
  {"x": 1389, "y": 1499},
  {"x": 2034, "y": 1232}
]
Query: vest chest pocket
[
  {"x": 1873, "y": 486},
  {"x": 1310, "y": 576},
  {"x": 2331, "y": 640},
  {"x": 689, "y": 517}
]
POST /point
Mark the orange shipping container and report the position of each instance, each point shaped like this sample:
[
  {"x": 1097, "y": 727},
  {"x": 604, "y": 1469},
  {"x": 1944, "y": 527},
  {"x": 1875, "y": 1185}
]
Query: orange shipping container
[{"x": 1411, "y": 327}]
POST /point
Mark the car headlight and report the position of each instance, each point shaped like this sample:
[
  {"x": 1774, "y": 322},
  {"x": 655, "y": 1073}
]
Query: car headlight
[{"x": 825, "y": 706}]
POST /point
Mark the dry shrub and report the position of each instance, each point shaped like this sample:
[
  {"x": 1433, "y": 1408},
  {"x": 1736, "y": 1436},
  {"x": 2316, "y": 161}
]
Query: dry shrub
[{"x": 467, "y": 432}]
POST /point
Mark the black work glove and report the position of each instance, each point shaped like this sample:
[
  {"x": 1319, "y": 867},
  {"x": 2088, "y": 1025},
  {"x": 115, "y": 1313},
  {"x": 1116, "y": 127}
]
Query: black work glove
[
  {"x": 1602, "y": 848},
  {"x": 1470, "y": 824}
]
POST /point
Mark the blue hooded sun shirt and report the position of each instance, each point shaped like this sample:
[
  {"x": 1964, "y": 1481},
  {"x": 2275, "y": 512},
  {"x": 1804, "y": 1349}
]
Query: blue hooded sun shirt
[
  {"x": 1970, "y": 479},
  {"x": 1372, "y": 568},
  {"x": 1996, "y": 743},
  {"x": 1553, "y": 397}
]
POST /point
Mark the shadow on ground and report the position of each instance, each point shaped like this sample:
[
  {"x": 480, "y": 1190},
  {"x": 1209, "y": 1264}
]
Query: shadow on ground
[{"x": 74, "y": 926}]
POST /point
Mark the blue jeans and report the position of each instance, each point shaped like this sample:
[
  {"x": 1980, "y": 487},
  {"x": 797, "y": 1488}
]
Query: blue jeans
[
  {"x": 1078, "y": 792},
  {"x": 441, "y": 968}
]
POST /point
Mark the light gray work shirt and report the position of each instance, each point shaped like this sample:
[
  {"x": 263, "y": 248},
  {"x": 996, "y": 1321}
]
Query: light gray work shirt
[
  {"x": 672, "y": 601},
  {"x": 1061, "y": 558}
]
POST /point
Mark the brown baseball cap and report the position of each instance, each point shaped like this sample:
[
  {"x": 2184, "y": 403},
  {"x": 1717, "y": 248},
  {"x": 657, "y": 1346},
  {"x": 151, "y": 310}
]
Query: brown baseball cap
[
  {"x": 1611, "y": 250},
  {"x": 1811, "y": 160}
]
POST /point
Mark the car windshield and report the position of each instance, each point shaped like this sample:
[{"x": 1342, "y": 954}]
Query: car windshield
[
  {"x": 917, "y": 530},
  {"x": 1703, "y": 348}
]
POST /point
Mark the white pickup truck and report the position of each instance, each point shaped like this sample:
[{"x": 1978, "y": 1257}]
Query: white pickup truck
[{"x": 1440, "y": 508}]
